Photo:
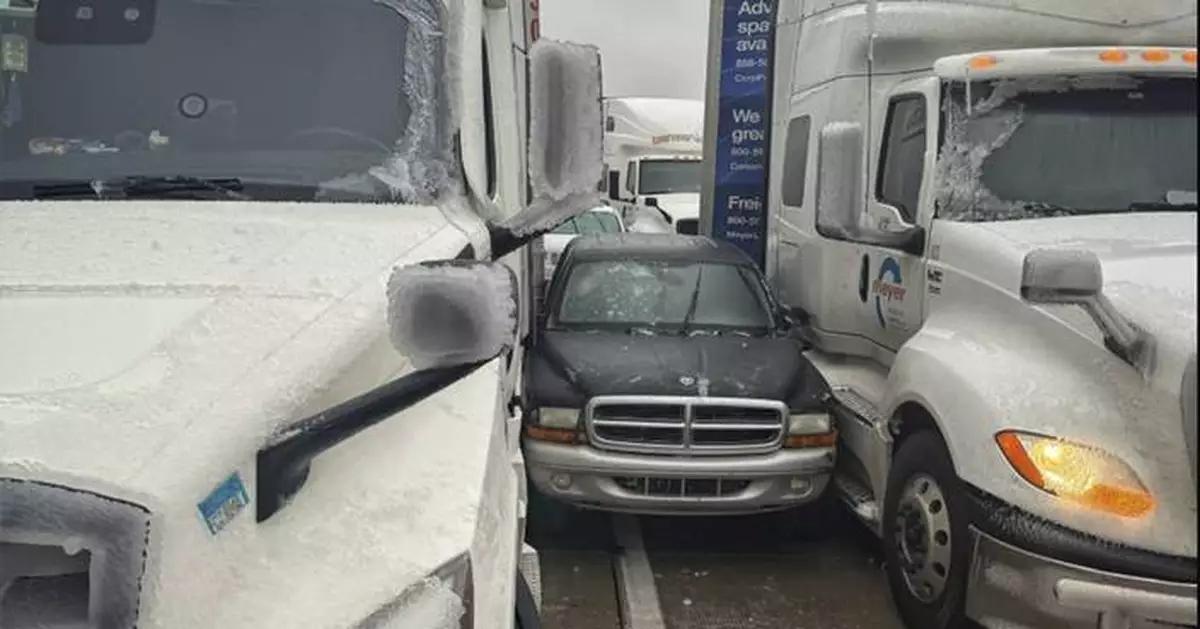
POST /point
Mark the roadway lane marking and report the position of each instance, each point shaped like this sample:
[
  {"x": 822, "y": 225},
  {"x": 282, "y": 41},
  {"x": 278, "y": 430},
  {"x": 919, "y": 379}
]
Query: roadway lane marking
[{"x": 636, "y": 590}]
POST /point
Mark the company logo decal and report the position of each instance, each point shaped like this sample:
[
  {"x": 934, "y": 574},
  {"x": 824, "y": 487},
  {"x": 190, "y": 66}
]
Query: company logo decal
[{"x": 888, "y": 287}]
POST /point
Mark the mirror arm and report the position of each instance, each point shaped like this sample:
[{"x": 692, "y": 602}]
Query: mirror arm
[
  {"x": 1121, "y": 337},
  {"x": 282, "y": 467}
]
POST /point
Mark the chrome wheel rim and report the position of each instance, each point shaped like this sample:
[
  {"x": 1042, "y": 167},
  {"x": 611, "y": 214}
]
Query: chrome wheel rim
[{"x": 921, "y": 536}]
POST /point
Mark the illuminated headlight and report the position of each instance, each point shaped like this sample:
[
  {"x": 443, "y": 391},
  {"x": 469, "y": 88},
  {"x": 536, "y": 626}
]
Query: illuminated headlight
[
  {"x": 442, "y": 600},
  {"x": 810, "y": 430},
  {"x": 555, "y": 424},
  {"x": 1081, "y": 474},
  {"x": 69, "y": 557}
]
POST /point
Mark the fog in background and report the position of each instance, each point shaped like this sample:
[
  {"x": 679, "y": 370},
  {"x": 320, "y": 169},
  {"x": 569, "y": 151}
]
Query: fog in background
[{"x": 649, "y": 47}]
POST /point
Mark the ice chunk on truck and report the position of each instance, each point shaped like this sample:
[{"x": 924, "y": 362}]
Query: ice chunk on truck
[
  {"x": 986, "y": 213},
  {"x": 211, "y": 415},
  {"x": 652, "y": 156}
]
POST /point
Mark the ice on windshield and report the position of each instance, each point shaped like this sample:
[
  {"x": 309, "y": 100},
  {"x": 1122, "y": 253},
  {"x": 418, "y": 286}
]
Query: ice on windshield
[
  {"x": 1043, "y": 147},
  {"x": 648, "y": 293},
  {"x": 348, "y": 99}
]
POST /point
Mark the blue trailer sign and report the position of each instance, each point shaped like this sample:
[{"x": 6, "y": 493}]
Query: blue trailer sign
[{"x": 738, "y": 104}]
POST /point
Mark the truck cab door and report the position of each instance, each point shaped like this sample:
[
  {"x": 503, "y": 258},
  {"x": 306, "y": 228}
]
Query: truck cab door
[{"x": 890, "y": 266}]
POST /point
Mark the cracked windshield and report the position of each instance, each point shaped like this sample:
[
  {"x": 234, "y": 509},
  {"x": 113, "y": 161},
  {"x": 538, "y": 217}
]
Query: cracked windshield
[{"x": 598, "y": 314}]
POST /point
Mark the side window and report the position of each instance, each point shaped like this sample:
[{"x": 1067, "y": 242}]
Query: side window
[
  {"x": 902, "y": 158},
  {"x": 795, "y": 160},
  {"x": 489, "y": 129}
]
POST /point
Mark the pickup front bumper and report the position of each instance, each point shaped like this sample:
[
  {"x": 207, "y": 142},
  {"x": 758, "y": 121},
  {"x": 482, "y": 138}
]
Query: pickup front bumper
[
  {"x": 1030, "y": 573},
  {"x": 669, "y": 485}
]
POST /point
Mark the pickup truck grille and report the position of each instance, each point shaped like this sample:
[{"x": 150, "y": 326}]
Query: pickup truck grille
[{"x": 685, "y": 425}]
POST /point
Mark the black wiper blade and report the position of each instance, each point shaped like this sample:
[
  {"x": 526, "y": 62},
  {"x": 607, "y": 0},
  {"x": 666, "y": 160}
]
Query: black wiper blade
[
  {"x": 691, "y": 311},
  {"x": 141, "y": 187},
  {"x": 1161, "y": 206}
]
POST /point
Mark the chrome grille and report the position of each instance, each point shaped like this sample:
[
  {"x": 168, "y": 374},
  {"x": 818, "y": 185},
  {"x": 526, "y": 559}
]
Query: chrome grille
[{"x": 685, "y": 425}]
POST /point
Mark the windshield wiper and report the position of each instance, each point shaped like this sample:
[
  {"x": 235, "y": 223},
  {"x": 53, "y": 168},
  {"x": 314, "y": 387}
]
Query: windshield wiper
[
  {"x": 1161, "y": 206},
  {"x": 141, "y": 187},
  {"x": 691, "y": 312}
]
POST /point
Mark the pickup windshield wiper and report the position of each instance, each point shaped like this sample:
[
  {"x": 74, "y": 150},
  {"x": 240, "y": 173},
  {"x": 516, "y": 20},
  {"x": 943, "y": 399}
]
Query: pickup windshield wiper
[
  {"x": 1161, "y": 206},
  {"x": 171, "y": 186},
  {"x": 691, "y": 311}
]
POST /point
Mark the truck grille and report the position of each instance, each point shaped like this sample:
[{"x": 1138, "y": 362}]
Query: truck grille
[{"x": 685, "y": 425}]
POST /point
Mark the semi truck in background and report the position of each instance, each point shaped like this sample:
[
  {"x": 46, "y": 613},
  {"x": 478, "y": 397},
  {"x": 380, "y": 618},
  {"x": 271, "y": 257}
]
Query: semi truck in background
[
  {"x": 217, "y": 294},
  {"x": 984, "y": 215},
  {"x": 652, "y": 154}
]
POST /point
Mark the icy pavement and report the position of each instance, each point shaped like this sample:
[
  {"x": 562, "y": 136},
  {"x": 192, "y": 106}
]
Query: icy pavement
[{"x": 813, "y": 570}]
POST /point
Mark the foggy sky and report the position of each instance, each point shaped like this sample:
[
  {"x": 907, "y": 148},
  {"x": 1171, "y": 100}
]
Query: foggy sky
[{"x": 648, "y": 47}]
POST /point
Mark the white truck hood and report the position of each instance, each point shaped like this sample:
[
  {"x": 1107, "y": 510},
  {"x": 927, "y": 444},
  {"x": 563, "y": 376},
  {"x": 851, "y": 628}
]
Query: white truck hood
[
  {"x": 151, "y": 347},
  {"x": 1149, "y": 263},
  {"x": 680, "y": 205}
]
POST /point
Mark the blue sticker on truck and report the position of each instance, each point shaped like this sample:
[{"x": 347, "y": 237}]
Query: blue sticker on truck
[
  {"x": 224, "y": 503},
  {"x": 739, "y": 210},
  {"x": 888, "y": 287}
]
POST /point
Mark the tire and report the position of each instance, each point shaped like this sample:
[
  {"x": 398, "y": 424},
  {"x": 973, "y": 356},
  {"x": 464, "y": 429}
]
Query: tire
[{"x": 924, "y": 500}]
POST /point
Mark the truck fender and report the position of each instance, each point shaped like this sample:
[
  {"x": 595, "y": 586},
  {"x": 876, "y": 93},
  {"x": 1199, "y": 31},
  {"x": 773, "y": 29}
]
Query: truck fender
[{"x": 970, "y": 387}]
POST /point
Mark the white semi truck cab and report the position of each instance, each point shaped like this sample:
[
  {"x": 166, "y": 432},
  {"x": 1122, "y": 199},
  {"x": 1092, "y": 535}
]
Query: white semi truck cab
[
  {"x": 652, "y": 151},
  {"x": 261, "y": 278},
  {"x": 986, "y": 214}
]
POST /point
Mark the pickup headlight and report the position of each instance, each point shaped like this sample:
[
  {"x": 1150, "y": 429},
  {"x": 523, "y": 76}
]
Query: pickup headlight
[
  {"x": 1082, "y": 474},
  {"x": 810, "y": 430},
  {"x": 555, "y": 424},
  {"x": 69, "y": 557},
  {"x": 442, "y": 600}
]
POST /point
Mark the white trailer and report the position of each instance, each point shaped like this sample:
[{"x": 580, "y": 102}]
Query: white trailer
[
  {"x": 985, "y": 213},
  {"x": 227, "y": 394},
  {"x": 652, "y": 153}
]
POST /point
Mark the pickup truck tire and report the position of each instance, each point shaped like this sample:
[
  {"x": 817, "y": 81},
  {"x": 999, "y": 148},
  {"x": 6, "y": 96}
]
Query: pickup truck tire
[{"x": 926, "y": 546}]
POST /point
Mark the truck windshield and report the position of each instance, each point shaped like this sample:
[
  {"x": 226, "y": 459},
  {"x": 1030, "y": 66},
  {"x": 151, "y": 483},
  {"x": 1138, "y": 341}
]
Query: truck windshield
[
  {"x": 1050, "y": 147},
  {"x": 662, "y": 176},
  {"x": 281, "y": 99},
  {"x": 633, "y": 293}
]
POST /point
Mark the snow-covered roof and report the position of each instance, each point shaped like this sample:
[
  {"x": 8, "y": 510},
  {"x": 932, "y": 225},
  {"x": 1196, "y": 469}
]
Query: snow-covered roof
[{"x": 911, "y": 34}]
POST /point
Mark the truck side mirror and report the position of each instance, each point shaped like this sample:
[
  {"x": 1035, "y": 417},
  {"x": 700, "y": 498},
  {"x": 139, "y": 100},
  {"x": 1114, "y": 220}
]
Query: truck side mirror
[
  {"x": 1076, "y": 277},
  {"x": 1061, "y": 276},
  {"x": 444, "y": 312},
  {"x": 566, "y": 129},
  {"x": 839, "y": 179}
]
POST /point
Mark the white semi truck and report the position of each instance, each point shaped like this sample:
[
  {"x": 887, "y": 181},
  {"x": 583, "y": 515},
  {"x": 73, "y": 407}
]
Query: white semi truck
[
  {"x": 652, "y": 155},
  {"x": 261, "y": 274},
  {"x": 985, "y": 212}
]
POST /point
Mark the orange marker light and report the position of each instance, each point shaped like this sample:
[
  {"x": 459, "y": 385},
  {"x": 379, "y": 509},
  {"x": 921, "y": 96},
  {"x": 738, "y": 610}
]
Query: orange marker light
[
  {"x": 1156, "y": 55},
  {"x": 982, "y": 62},
  {"x": 1114, "y": 56},
  {"x": 1189, "y": 56}
]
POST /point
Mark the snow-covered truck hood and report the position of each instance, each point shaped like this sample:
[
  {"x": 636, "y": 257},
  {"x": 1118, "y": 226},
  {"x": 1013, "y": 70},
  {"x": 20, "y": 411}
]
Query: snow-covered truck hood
[
  {"x": 1149, "y": 264},
  {"x": 150, "y": 348}
]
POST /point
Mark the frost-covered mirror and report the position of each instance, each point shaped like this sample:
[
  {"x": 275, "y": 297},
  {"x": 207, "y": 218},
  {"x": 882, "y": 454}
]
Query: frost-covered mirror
[
  {"x": 839, "y": 180},
  {"x": 448, "y": 312},
  {"x": 566, "y": 128}
]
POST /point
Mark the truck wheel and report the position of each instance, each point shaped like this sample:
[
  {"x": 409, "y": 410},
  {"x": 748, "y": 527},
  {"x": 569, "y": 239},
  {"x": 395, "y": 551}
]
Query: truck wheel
[{"x": 925, "y": 539}]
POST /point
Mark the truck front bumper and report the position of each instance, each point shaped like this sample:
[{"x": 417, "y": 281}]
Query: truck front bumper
[
  {"x": 1032, "y": 573},
  {"x": 667, "y": 485}
]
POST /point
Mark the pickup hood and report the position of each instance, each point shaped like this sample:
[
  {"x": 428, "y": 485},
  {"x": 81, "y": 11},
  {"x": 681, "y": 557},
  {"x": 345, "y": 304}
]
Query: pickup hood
[{"x": 716, "y": 366}]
